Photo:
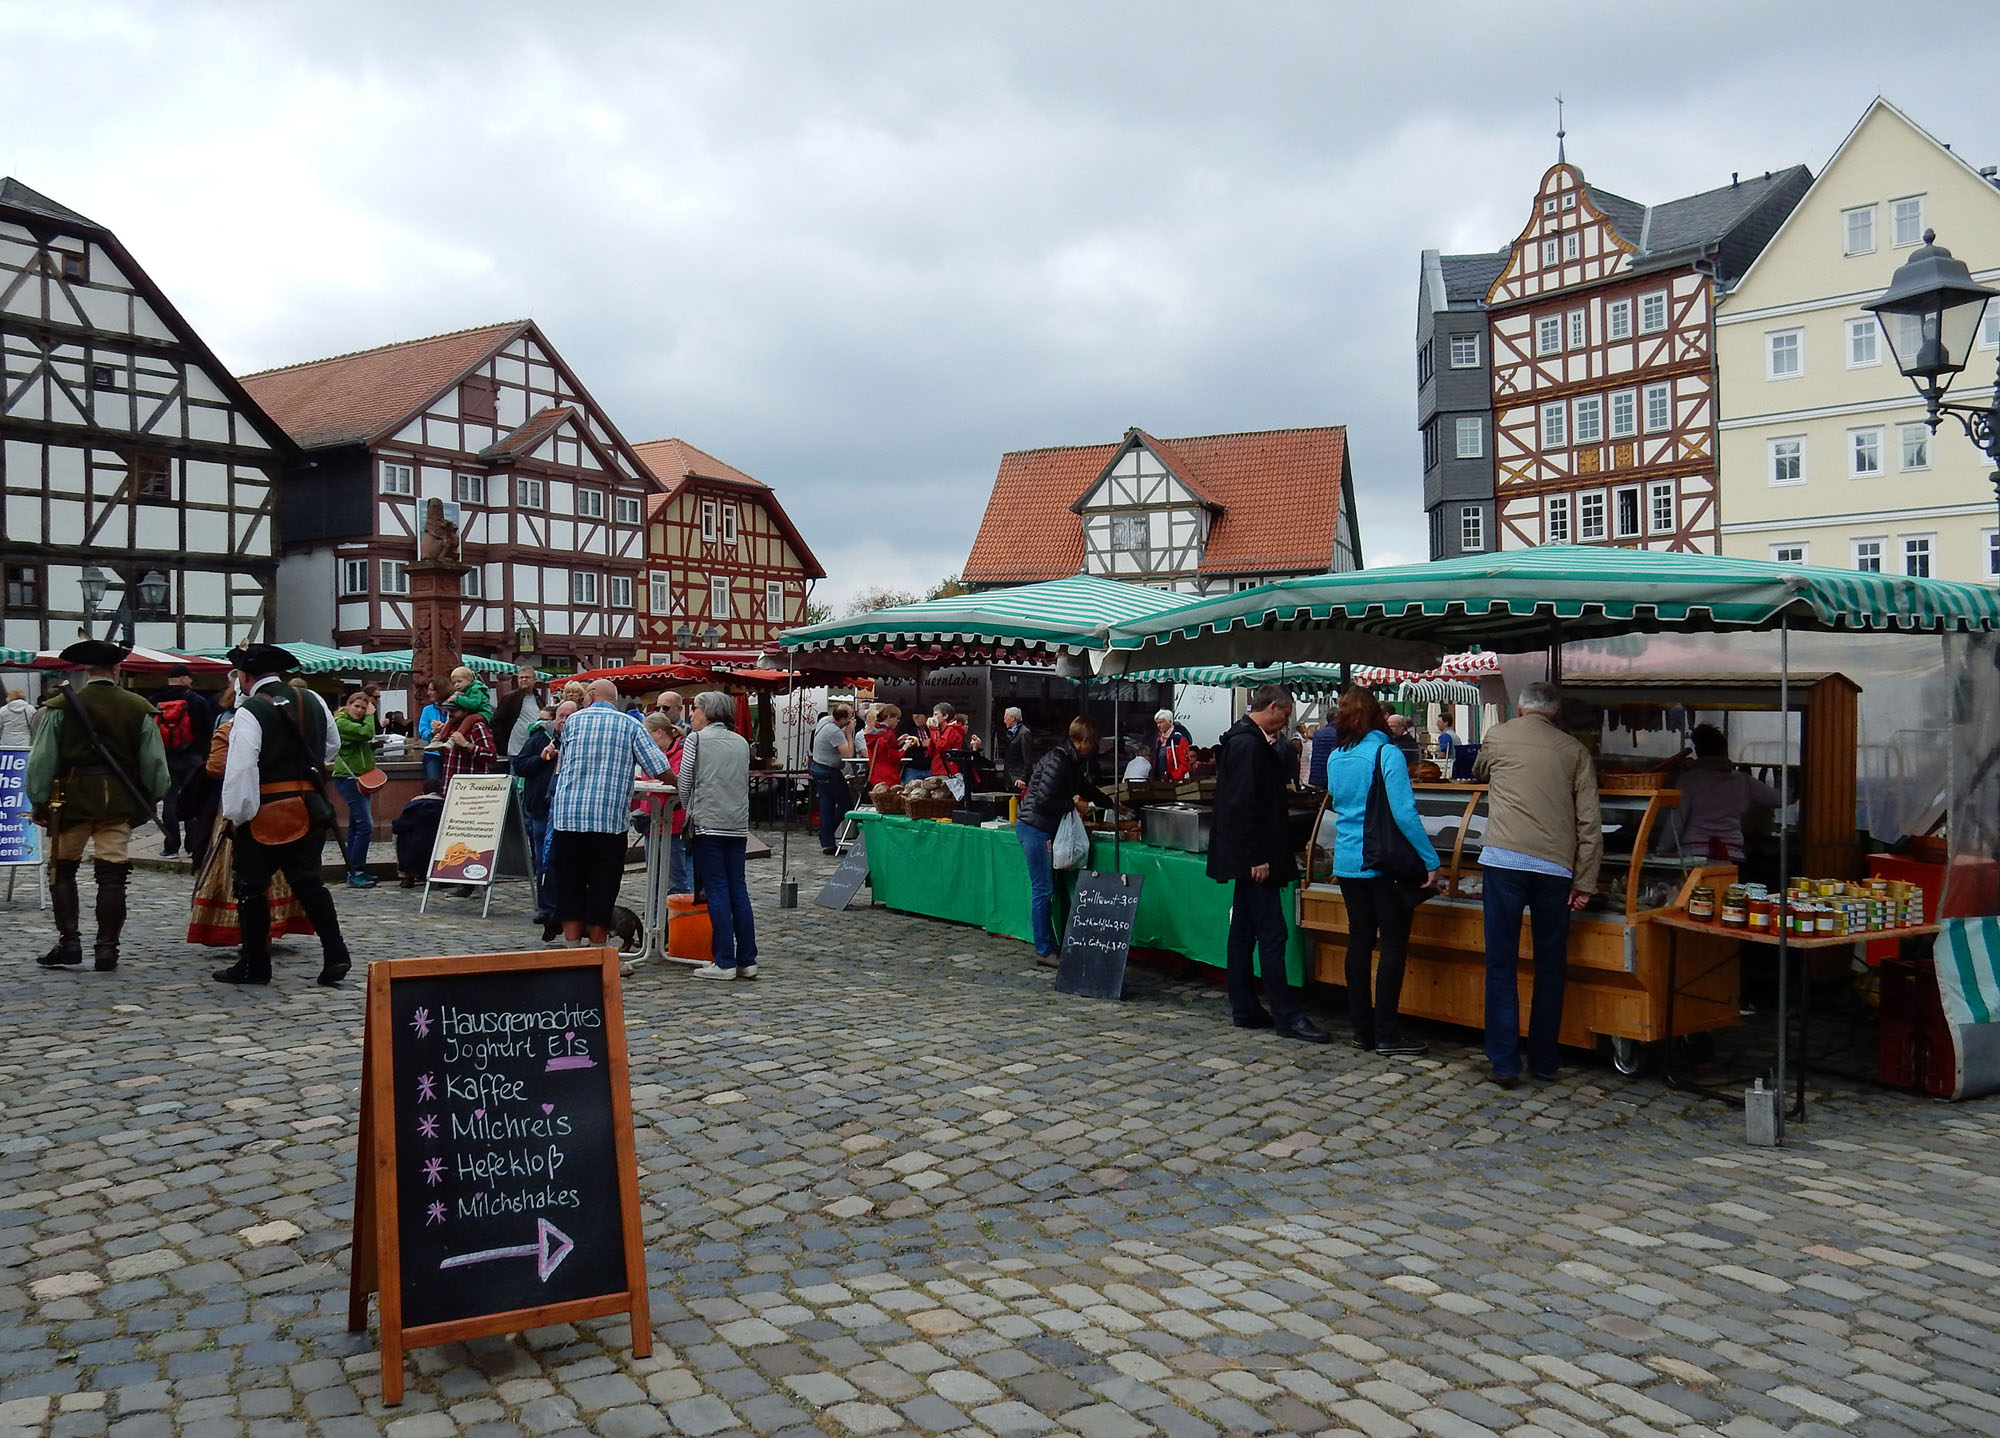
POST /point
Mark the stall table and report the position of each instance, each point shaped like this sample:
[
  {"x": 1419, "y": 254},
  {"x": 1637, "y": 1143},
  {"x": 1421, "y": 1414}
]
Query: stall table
[{"x": 974, "y": 875}]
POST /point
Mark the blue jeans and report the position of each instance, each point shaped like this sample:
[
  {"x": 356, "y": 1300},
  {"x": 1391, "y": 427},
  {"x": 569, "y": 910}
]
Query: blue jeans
[
  {"x": 830, "y": 790},
  {"x": 680, "y": 872},
  {"x": 718, "y": 862},
  {"x": 434, "y": 767},
  {"x": 1037, "y": 848},
  {"x": 360, "y": 824},
  {"x": 538, "y": 844},
  {"x": 1546, "y": 898}
]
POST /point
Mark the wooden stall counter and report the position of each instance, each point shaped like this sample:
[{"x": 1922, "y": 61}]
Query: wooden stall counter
[{"x": 1617, "y": 984}]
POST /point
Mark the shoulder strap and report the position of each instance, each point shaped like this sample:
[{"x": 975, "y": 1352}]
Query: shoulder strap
[{"x": 73, "y": 704}]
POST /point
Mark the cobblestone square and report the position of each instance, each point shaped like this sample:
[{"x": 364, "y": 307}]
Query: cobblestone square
[{"x": 898, "y": 1185}]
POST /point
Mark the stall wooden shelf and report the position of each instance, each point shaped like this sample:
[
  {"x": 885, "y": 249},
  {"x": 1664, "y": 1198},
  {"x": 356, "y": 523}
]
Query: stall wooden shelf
[{"x": 1617, "y": 983}]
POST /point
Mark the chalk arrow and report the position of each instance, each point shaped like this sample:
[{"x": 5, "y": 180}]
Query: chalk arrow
[{"x": 550, "y": 1248}]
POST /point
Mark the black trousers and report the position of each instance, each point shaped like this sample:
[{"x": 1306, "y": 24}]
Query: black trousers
[
  {"x": 1377, "y": 915},
  {"x": 180, "y": 769},
  {"x": 589, "y": 868},
  {"x": 1257, "y": 926},
  {"x": 298, "y": 861}
]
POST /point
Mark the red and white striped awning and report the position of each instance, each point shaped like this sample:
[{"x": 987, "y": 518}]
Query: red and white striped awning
[{"x": 1469, "y": 667}]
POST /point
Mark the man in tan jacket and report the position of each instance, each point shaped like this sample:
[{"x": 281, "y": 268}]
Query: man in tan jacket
[{"x": 1543, "y": 847}]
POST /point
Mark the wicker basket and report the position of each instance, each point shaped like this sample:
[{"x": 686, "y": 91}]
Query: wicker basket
[
  {"x": 930, "y": 808},
  {"x": 890, "y": 801}
]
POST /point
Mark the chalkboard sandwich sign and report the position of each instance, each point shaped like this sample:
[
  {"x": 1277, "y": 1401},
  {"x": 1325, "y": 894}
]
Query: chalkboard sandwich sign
[
  {"x": 497, "y": 1184},
  {"x": 1097, "y": 942}
]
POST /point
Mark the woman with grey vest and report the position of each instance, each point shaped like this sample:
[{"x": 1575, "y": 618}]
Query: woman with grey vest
[{"x": 715, "y": 791}]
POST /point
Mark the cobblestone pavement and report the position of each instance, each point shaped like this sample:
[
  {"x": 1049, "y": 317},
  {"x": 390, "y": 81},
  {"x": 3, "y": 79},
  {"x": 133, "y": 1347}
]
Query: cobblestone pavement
[{"x": 898, "y": 1185}]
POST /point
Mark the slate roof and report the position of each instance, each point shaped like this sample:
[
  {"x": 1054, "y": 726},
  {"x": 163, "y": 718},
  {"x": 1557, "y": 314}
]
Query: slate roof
[
  {"x": 353, "y": 398},
  {"x": 1278, "y": 493},
  {"x": 1467, "y": 278},
  {"x": 1628, "y": 217},
  {"x": 17, "y": 196},
  {"x": 676, "y": 464},
  {"x": 1704, "y": 218}
]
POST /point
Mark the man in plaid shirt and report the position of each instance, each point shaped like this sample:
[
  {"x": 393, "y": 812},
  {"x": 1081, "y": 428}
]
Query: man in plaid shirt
[{"x": 595, "y": 753}]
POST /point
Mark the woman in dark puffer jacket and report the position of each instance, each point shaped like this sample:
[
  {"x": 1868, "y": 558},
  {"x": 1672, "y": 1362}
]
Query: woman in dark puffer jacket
[{"x": 1057, "y": 782}]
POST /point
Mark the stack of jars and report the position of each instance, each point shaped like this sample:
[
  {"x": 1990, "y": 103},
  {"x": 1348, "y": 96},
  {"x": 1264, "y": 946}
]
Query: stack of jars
[{"x": 1812, "y": 908}]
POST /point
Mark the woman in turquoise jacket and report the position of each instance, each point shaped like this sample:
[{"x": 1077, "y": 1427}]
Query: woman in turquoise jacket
[{"x": 1376, "y": 907}]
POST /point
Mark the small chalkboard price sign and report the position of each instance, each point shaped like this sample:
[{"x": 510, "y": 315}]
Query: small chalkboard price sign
[
  {"x": 497, "y": 1185},
  {"x": 1098, "y": 940},
  {"x": 839, "y": 890}
]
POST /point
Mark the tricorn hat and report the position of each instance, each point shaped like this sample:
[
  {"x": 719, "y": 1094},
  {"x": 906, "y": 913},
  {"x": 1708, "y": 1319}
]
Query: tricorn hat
[
  {"x": 261, "y": 659},
  {"x": 95, "y": 654}
]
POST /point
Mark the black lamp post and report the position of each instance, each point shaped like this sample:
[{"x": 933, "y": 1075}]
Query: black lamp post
[
  {"x": 151, "y": 592},
  {"x": 1930, "y": 316}
]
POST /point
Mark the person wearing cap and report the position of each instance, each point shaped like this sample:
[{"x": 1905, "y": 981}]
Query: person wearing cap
[
  {"x": 273, "y": 793},
  {"x": 186, "y": 720},
  {"x": 96, "y": 768}
]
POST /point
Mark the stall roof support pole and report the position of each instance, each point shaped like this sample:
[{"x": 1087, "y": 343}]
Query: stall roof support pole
[
  {"x": 1117, "y": 777},
  {"x": 1785, "y": 870}
]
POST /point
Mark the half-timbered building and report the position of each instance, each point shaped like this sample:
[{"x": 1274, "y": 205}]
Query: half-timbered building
[
  {"x": 549, "y": 498},
  {"x": 727, "y": 568},
  {"x": 138, "y": 477},
  {"x": 1600, "y": 337},
  {"x": 1202, "y": 515}
]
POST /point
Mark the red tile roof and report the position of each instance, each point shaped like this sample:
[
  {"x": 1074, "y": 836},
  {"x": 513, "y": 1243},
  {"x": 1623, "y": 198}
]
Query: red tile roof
[
  {"x": 1279, "y": 492},
  {"x": 677, "y": 464},
  {"x": 352, "y": 398}
]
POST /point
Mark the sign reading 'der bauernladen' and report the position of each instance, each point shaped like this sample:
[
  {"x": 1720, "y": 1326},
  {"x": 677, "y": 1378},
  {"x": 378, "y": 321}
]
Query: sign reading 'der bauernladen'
[
  {"x": 497, "y": 1186},
  {"x": 481, "y": 836}
]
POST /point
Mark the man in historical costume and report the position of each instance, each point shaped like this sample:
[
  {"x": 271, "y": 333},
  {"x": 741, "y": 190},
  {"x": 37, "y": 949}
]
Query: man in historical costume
[
  {"x": 273, "y": 792},
  {"x": 96, "y": 768}
]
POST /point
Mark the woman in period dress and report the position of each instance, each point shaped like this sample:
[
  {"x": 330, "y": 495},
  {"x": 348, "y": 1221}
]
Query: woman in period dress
[{"x": 212, "y": 918}]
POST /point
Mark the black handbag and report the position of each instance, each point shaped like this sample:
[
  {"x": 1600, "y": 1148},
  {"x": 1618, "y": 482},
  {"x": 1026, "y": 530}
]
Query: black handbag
[{"x": 1385, "y": 848}]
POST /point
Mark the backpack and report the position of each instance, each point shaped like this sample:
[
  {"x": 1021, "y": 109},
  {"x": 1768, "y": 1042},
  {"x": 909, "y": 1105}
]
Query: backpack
[{"x": 176, "y": 724}]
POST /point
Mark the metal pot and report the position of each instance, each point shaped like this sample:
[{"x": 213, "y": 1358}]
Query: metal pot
[{"x": 1176, "y": 826}]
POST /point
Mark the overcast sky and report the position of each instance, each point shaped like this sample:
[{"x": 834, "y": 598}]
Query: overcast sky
[{"x": 861, "y": 249}]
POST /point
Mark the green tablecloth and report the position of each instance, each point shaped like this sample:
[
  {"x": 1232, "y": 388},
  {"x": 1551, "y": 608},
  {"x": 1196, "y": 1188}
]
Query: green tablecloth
[{"x": 978, "y": 876}]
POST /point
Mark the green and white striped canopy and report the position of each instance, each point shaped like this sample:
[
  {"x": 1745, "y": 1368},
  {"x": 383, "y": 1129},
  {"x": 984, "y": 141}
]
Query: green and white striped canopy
[
  {"x": 320, "y": 659},
  {"x": 1301, "y": 678},
  {"x": 1057, "y": 616},
  {"x": 400, "y": 658},
  {"x": 1526, "y": 599}
]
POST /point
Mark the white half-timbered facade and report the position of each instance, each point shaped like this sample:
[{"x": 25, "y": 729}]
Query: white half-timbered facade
[
  {"x": 125, "y": 447},
  {"x": 1206, "y": 514},
  {"x": 1600, "y": 338},
  {"x": 549, "y": 498},
  {"x": 728, "y": 568}
]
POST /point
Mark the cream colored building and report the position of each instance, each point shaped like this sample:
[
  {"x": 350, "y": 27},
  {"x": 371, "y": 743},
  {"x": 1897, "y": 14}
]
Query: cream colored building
[{"x": 1824, "y": 455}]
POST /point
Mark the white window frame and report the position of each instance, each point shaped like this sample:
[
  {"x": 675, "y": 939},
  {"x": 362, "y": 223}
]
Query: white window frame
[
  {"x": 1556, "y": 520},
  {"x": 1905, "y": 433},
  {"x": 1629, "y": 427},
  {"x": 1776, "y": 458},
  {"x": 397, "y": 478},
  {"x": 1915, "y": 545},
  {"x": 1854, "y": 451},
  {"x": 1664, "y": 391},
  {"x": 1989, "y": 327},
  {"x": 353, "y": 578},
  {"x": 469, "y": 488},
  {"x": 1791, "y": 552},
  {"x": 625, "y": 509},
  {"x": 1577, "y": 330},
  {"x": 1471, "y": 528},
  {"x": 1859, "y": 330},
  {"x": 1638, "y": 496},
  {"x": 729, "y": 524},
  {"x": 1656, "y": 491},
  {"x": 471, "y": 584},
  {"x": 1548, "y": 335},
  {"x": 589, "y": 502},
  {"x": 659, "y": 593},
  {"x": 1859, "y": 555},
  {"x": 710, "y": 522},
  {"x": 1646, "y": 303},
  {"x": 395, "y": 574},
  {"x": 1583, "y": 507},
  {"x": 1555, "y": 425},
  {"x": 1989, "y": 546},
  {"x": 1848, "y": 217},
  {"x": 1468, "y": 437},
  {"x": 1572, "y": 245},
  {"x": 1551, "y": 252},
  {"x": 1587, "y": 419},
  {"x": 774, "y": 601},
  {"x": 1788, "y": 343},
  {"x": 1471, "y": 361},
  {"x": 618, "y": 591},
  {"x": 1896, "y": 240},
  {"x": 529, "y": 493},
  {"x": 1618, "y": 320},
  {"x": 719, "y": 588},
  {"x": 583, "y": 587}
]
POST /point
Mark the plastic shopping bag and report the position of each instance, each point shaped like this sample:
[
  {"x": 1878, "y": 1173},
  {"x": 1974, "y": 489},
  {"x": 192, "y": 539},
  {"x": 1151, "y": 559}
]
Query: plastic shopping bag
[{"x": 1072, "y": 845}]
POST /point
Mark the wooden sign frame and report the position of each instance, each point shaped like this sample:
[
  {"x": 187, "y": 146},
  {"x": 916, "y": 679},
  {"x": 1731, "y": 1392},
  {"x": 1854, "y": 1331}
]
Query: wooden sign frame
[
  {"x": 512, "y": 856},
  {"x": 376, "y": 1265}
]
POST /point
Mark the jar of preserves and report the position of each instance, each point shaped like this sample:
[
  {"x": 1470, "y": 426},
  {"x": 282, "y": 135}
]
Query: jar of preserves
[{"x": 1701, "y": 903}]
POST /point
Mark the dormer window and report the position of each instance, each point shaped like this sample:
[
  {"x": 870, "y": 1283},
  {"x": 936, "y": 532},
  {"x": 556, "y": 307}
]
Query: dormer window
[{"x": 1569, "y": 202}]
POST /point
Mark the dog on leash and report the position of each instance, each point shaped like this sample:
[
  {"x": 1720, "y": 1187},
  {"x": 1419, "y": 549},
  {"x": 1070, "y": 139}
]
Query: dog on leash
[{"x": 624, "y": 926}]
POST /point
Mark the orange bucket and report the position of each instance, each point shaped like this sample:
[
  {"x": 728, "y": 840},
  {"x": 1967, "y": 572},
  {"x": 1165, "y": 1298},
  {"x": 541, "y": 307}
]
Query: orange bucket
[{"x": 688, "y": 933}]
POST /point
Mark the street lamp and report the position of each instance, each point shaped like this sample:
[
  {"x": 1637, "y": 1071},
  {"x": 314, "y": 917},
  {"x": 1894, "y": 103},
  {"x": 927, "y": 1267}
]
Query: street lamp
[
  {"x": 1930, "y": 316},
  {"x": 94, "y": 584},
  {"x": 153, "y": 590},
  {"x": 150, "y": 591}
]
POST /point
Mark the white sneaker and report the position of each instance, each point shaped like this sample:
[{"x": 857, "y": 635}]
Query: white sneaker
[
  {"x": 746, "y": 971},
  {"x": 628, "y": 968},
  {"x": 710, "y": 971}
]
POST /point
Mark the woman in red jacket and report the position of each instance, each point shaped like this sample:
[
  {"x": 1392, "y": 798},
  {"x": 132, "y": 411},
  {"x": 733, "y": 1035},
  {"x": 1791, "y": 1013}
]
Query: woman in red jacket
[
  {"x": 947, "y": 734},
  {"x": 885, "y": 748}
]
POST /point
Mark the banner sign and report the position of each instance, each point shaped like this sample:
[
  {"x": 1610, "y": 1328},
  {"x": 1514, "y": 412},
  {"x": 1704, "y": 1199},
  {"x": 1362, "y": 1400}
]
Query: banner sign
[{"x": 20, "y": 839}]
